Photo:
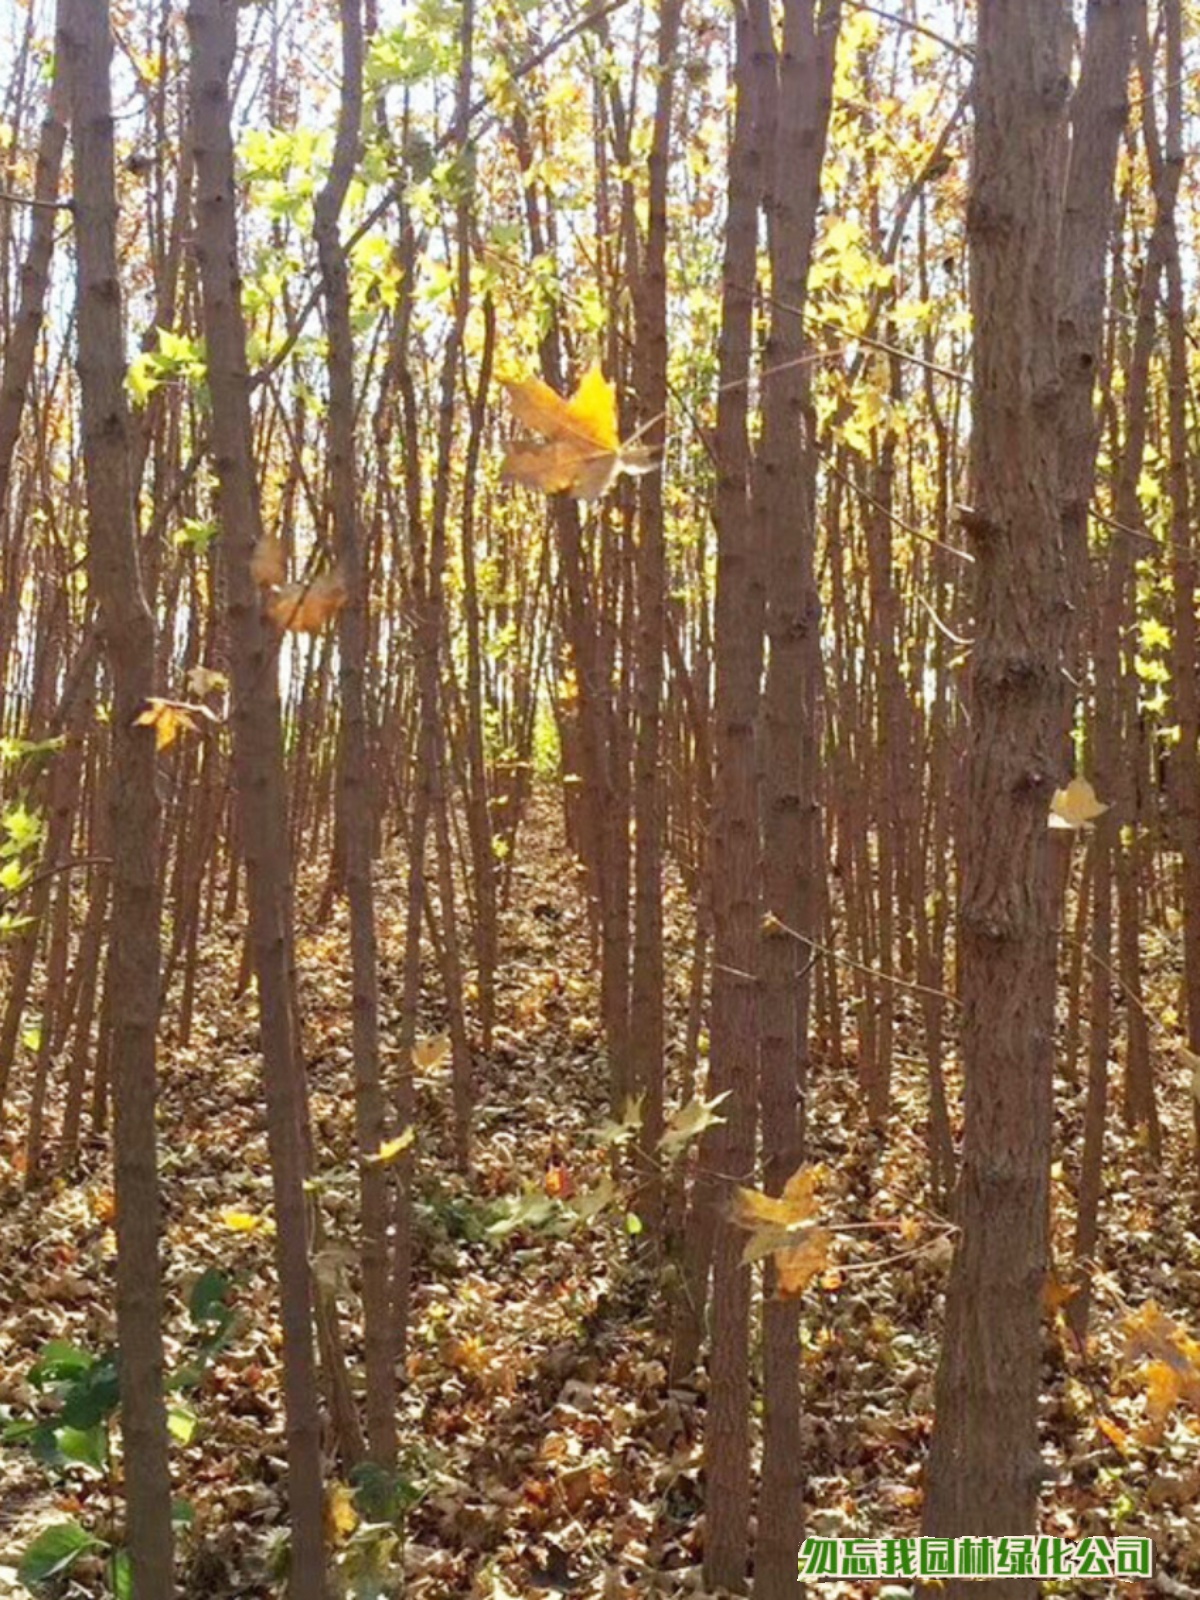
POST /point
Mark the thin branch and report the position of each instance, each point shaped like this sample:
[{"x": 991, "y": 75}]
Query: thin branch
[
  {"x": 899, "y": 522},
  {"x": 941, "y": 627},
  {"x": 861, "y": 966},
  {"x": 11, "y": 199},
  {"x": 52, "y": 871},
  {"x": 954, "y": 45}
]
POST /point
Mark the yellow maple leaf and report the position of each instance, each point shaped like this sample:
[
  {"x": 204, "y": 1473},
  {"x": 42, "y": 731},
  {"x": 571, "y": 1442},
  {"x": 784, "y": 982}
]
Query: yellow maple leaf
[
  {"x": 1164, "y": 1387},
  {"x": 1076, "y": 806},
  {"x": 468, "y": 1354},
  {"x": 797, "y": 1204},
  {"x": 1056, "y": 1294},
  {"x": 589, "y": 416},
  {"x": 307, "y": 607},
  {"x": 780, "y": 1226},
  {"x": 1171, "y": 1363},
  {"x": 580, "y": 451},
  {"x": 341, "y": 1518},
  {"x": 392, "y": 1148},
  {"x": 796, "y": 1265},
  {"x": 167, "y": 720},
  {"x": 242, "y": 1221},
  {"x": 170, "y": 718},
  {"x": 428, "y": 1054},
  {"x": 1149, "y": 1331}
]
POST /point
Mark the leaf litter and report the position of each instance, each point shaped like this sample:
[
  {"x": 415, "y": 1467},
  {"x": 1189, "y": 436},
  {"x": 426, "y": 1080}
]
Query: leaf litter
[{"x": 550, "y": 1452}]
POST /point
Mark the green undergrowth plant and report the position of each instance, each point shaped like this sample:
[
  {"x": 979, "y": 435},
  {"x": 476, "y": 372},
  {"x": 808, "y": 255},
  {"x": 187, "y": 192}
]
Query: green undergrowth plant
[{"x": 73, "y": 1433}]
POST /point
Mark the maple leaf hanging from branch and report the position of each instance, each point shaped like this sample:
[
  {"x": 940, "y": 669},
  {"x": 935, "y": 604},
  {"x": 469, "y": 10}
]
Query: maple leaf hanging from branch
[
  {"x": 783, "y": 1227},
  {"x": 580, "y": 452}
]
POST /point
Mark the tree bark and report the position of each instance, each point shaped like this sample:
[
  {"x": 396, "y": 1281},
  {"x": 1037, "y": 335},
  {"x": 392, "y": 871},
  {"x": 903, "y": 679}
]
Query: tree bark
[
  {"x": 784, "y": 494},
  {"x": 647, "y": 1042},
  {"x": 984, "y": 1466},
  {"x": 354, "y": 791},
  {"x": 128, "y": 633},
  {"x": 258, "y": 763},
  {"x": 728, "y": 1153}
]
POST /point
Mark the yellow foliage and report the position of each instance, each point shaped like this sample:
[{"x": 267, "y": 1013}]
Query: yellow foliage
[
  {"x": 797, "y": 1204},
  {"x": 429, "y": 1054},
  {"x": 1171, "y": 1363},
  {"x": 780, "y": 1227},
  {"x": 388, "y": 1151},
  {"x": 242, "y": 1221},
  {"x": 341, "y": 1518}
]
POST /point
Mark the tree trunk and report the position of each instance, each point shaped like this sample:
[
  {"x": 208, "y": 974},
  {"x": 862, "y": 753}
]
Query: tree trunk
[
  {"x": 984, "y": 1466},
  {"x": 354, "y": 793},
  {"x": 258, "y": 764},
  {"x": 785, "y": 511},
  {"x": 128, "y": 631},
  {"x": 646, "y": 1028},
  {"x": 729, "y": 1153}
]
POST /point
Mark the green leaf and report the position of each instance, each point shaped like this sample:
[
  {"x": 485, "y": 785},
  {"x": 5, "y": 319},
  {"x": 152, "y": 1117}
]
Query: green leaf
[
  {"x": 209, "y": 1299},
  {"x": 530, "y": 1210},
  {"x": 60, "y": 1362},
  {"x": 382, "y": 1494},
  {"x": 24, "y": 829},
  {"x": 620, "y": 1133},
  {"x": 43, "y": 1444},
  {"x": 88, "y": 1447},
  {"x": 56, "y": 1549},
  {"x": 120, "y": 1574},
  {"x": 142, "y": 378},
  {"x": 92, "y": 1398},
  {"x": 183, "y": 1513},
  {"x": 12, "y": 876},
  {"x": 18, "y": 1431},
  {"x": 196, "y": 533},
  {"x": 31, "y": 749}
]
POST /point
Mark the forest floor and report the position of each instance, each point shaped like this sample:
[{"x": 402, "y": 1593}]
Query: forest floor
[{"x": 538, "y": 1427}]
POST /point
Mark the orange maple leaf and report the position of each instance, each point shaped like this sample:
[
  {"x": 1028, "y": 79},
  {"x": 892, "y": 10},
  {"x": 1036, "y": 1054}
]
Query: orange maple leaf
[
  {"x": 580, "y": 451},
  {"x": 307, "y": 607}
]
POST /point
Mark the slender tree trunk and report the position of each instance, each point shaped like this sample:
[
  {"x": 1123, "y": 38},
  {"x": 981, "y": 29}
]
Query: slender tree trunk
[
  {"x": 354, "y": 794},
  {"x": 1097, "y": 119},
  {"x": 258, "y": 764},
  {"x": 21, "y": 345},
  {"x": 785, "y": 509},
  {"x": 729, "y": 1153},
  {"x": 1186, "y": 755},
  {"x": 128, "y": 631},
  {"x": 984, "y": 1466},
  {"x": 647, "y": 1042}
]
